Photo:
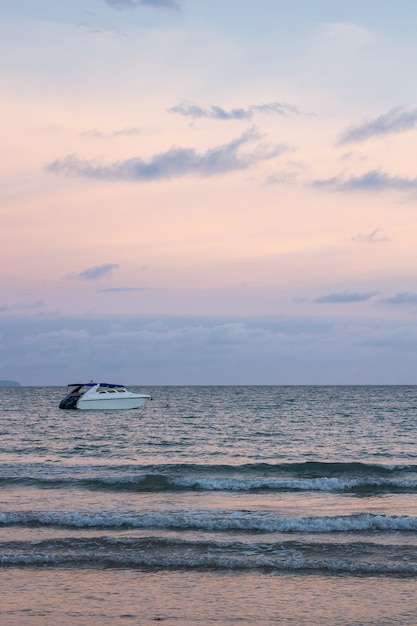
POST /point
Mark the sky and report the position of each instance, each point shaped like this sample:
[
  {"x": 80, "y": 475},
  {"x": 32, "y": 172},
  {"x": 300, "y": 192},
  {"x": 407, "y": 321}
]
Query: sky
[{"x": 209, "y": 193}]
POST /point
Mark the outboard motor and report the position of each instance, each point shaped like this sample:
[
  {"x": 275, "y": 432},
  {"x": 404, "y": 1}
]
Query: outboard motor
[{"x": 69, "y": 402}]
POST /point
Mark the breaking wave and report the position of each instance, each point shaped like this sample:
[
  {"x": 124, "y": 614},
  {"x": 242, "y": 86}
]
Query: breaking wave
[
  {"x": 156, "y": 553},
  {"x": 322, "y": 477},
  {"x": 220, "y": 520}
]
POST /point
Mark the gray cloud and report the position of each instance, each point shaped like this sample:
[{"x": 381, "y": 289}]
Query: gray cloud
[
  {"x": 346, "y": 297},
  {"x": 121, "y": 289},
  {"x": 173, "y": 163},
  {"x": 218, "y": 113},
  {"x": 404, "y": 297},
  {"x": 372, "y": 237},
  {"x": 93, "y": 273},
  {"x": 155, "y": 4},
  {"x": 215, "y": 112},
  {"x": 96, "y": 29},
  {"x": 123, "y": 132},
  {"x": 395, "y": 121},
  {"x": 21, "y": 306},
  {"x": 374, "y": 180}
]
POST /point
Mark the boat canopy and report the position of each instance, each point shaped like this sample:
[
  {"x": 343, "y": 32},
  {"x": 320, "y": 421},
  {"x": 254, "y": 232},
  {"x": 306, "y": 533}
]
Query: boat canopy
[{"x": 91, "y": 384}]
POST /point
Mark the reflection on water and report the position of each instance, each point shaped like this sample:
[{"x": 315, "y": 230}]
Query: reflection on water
[{"x": 48, "y": 598}]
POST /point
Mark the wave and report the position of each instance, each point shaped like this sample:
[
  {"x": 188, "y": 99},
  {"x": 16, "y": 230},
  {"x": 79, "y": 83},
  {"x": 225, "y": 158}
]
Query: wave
[
  {"x": 311, "y": 476},
  {"x": 217, "y": 520},
  {"x": 162, "y": 553}
]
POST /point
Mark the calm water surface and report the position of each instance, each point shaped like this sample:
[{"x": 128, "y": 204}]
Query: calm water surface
[{"x": 288, "y": 505}]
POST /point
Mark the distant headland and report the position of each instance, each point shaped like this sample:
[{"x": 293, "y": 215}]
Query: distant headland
[{"x": 9, "y": 383}]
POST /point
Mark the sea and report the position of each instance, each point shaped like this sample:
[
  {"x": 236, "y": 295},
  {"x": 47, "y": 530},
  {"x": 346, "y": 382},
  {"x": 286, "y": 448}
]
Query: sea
[{"x": 210, "y": 505}]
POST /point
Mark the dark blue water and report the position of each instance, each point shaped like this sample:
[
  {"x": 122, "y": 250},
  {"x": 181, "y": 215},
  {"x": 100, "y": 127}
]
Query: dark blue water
[{"x": 298, "y": 482}]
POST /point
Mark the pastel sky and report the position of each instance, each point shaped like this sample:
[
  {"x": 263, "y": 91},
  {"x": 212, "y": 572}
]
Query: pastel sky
[{"x": 218, "y": 192}]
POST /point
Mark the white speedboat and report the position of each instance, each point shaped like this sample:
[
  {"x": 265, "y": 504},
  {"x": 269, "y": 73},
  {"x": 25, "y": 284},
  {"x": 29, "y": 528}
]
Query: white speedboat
[{"x": 102, "y": 396}]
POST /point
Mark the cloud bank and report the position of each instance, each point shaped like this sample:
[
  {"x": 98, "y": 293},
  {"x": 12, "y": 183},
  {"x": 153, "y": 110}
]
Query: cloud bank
[
  {"x": 175, "y": 162},
  {"x": 218, "y": 113},
  {"x": 396, "y": 120},
  {"x": 155, "y": 350}
]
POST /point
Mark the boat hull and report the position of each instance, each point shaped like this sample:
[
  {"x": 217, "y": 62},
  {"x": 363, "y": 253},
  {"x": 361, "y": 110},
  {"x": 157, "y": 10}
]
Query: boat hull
[{"x": 109, "y": 404}]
